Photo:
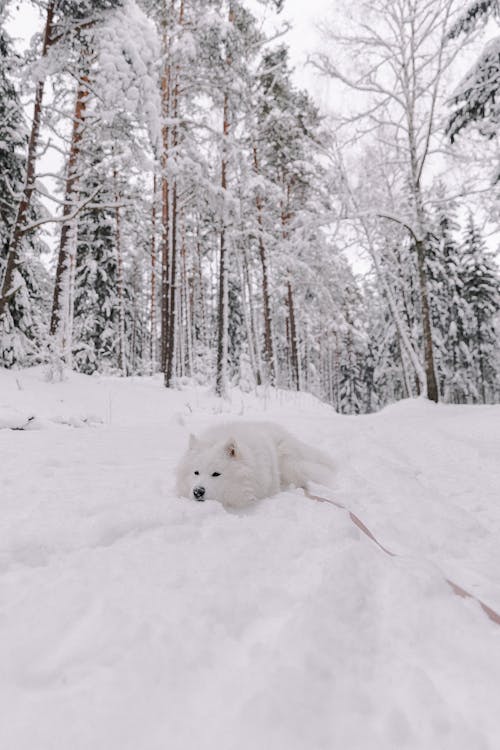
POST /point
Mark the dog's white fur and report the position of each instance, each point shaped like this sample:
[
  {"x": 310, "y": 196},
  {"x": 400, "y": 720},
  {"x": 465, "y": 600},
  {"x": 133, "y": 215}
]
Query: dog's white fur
[{"x": 253, "y": 460}]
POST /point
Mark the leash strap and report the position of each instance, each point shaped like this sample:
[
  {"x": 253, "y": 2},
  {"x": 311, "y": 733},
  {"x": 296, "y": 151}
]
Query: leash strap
[{"x": 458, "y": 590}]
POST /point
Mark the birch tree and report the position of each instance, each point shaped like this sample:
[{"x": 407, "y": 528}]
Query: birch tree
[{"x": 401, "y": 55}]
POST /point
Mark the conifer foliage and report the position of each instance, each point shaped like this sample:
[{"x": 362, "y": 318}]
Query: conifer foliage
[
  {"x": 475, "y": 100},
  {"x": 200, "y": 220},
  {"x": 23, "y": 322}
]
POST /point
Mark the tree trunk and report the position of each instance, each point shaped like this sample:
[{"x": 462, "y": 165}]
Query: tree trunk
[
  {"x": 202, "y": 326},
  {"x": 222, "y": 306},
  {"x": 122, "y": 363},
  {"x": 430, "y": 373},
  {"x": 292, "y": 329},
  {"x": 165, "y": 198},
  {"x": 294, "y": 354},
  {"x": 187, "y": 289},
  {"x": 172, "y": 278},
  {"x": 170, "y": 97},
  {"x": 431, "y": 385},
  {"x": 268, "y": 337},
  {"x": 249, "y": 317},
  {"x": 12, "y": 261},
  {"x": 61, "y": 292},
  {"x": 172, "y": 289},
  {"x": 152, "y": 342},
  {"x": 479, "y": 339}
]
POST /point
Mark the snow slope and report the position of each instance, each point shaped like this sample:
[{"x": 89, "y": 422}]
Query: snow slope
[{"x": 134, "y": 620}]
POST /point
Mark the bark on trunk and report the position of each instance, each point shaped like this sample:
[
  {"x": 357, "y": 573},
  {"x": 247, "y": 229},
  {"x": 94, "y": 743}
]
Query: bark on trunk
[
  {"x": 71, "y": 190},
  {"x": 294, "y": 354},
  {"x": 222, "y": 311},
  {"x": 292, "y": 328},
  {"x": 152, "y": 342},
  {"x": 187, "y": 287},
  {"x": 268, "y": 338},
  {"x": 222, "y": 306},
  {"x": 122, "y": 363},
  {"x": 172, "y": 278},
  {"x": 431, "y": 385},
  {"x": 479, "y": 339},
  {"x": 165, "y": 198},
  {"x": 430, "y": 373},
  {"x": 170, "y": 100},
  {"x": 172, "y": 289},
  {"x": 201, "y": 305},
  {"x": 7, "y": 292}
]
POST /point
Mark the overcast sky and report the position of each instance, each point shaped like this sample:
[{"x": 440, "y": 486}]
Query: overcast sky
[{"x": 304, "y": 38}]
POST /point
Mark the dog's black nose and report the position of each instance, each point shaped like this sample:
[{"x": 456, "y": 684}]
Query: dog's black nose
[{"x": 199, "y": 493}]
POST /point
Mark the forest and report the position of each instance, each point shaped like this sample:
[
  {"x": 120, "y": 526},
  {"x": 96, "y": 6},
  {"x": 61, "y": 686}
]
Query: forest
[{"x": 172, "y": 202}]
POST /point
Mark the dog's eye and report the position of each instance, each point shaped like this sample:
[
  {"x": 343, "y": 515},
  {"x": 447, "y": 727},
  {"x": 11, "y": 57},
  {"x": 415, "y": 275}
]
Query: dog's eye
[
  {"x": 216, "y": 474},
  {"x": 196, "y": 473}
]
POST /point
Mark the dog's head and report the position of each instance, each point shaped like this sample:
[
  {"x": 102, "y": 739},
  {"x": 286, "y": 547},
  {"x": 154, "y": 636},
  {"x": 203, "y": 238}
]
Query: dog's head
[{"x": 212, "y": 471}]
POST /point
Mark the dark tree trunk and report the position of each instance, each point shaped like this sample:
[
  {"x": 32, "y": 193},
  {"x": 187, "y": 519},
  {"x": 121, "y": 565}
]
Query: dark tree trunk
[
  {"x": 479, "y": 340},
  {"x": 165, "y": 198},
  {"x": 172, "y": 291},
  {"x": 170, "y": 96},
  {"x": 222, "y": 311},
  {"x": 63, "y": 261},
  {"x": 430, "y": 373},
  {"x": 286, "y": 215},
  {"x": 268, "y": 338},
  {"x": 294, "y": 352},
  {"x": 122, "y": 363},
  {"x": 201, "y": 325},
  {"x": 29, "y": 184},
  {"x": 152, "y": 343}
]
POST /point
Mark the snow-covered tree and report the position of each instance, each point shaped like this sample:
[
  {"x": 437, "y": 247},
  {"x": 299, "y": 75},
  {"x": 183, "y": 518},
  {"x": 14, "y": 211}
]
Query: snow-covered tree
[
  {"x": 481, "y": 292},
  {"x": 22, "y": 323},
  {"x": 400, "y": 55},
  {"x": 95, "y": 337},
  {"x": 474, "y": 101}
]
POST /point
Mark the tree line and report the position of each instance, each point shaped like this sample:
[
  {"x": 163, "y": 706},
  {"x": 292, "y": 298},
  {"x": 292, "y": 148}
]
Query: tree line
[{"x": 205, "y": 217}]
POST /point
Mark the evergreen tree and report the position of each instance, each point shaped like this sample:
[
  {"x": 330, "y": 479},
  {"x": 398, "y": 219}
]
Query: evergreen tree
[
  {"x": 12, "y": 141},
  {"x": 23, "y": 322},
  {"x": 481, "y": 291},
  {"x": 447, "y": 306},
  {"x": 285, "y": 138},
  {"x": 475, "y": 100},
  {"x": 96, "y": 336},
  {"x": 352, "y": 387},
  {"x": 235, "y": 327}
]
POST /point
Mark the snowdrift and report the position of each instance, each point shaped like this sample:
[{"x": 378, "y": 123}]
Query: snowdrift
[{"x": 132, "y": 619}]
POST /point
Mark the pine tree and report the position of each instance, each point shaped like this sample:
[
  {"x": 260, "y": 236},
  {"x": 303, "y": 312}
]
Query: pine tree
[
  {"x": 23, "y": 321},
  {"x": 11, "y": 142},
  {"x": 447, "y": 306},
  {"x": 481, "y": 291},
  {"x": 475, "y": 100},
  {"x": 284, "y": 139},
  {"x": 96, "y": 337}
]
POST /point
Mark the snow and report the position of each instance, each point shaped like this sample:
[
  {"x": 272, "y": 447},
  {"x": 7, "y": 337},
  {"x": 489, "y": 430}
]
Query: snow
[
  {"x": 130, "y": 618},
  {"x": 127, "y": 71}
]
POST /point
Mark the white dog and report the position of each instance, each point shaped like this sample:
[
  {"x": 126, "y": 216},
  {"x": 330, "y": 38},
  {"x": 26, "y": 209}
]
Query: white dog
[{"x": 243, "y": 461}]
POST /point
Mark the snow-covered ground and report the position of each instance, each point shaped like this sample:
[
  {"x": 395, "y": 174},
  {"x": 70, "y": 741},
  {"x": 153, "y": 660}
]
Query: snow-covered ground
[{"x": 134, "y": 620}]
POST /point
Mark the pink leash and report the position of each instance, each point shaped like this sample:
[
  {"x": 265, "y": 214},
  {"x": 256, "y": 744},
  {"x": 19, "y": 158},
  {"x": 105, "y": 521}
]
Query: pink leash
[{"x": 494, "y": 616}]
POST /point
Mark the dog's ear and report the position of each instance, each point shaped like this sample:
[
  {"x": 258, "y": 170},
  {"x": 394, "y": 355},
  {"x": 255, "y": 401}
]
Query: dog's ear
[
  {"x": 231, "y": 449},
  {"x": 193, "y": 442}
]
